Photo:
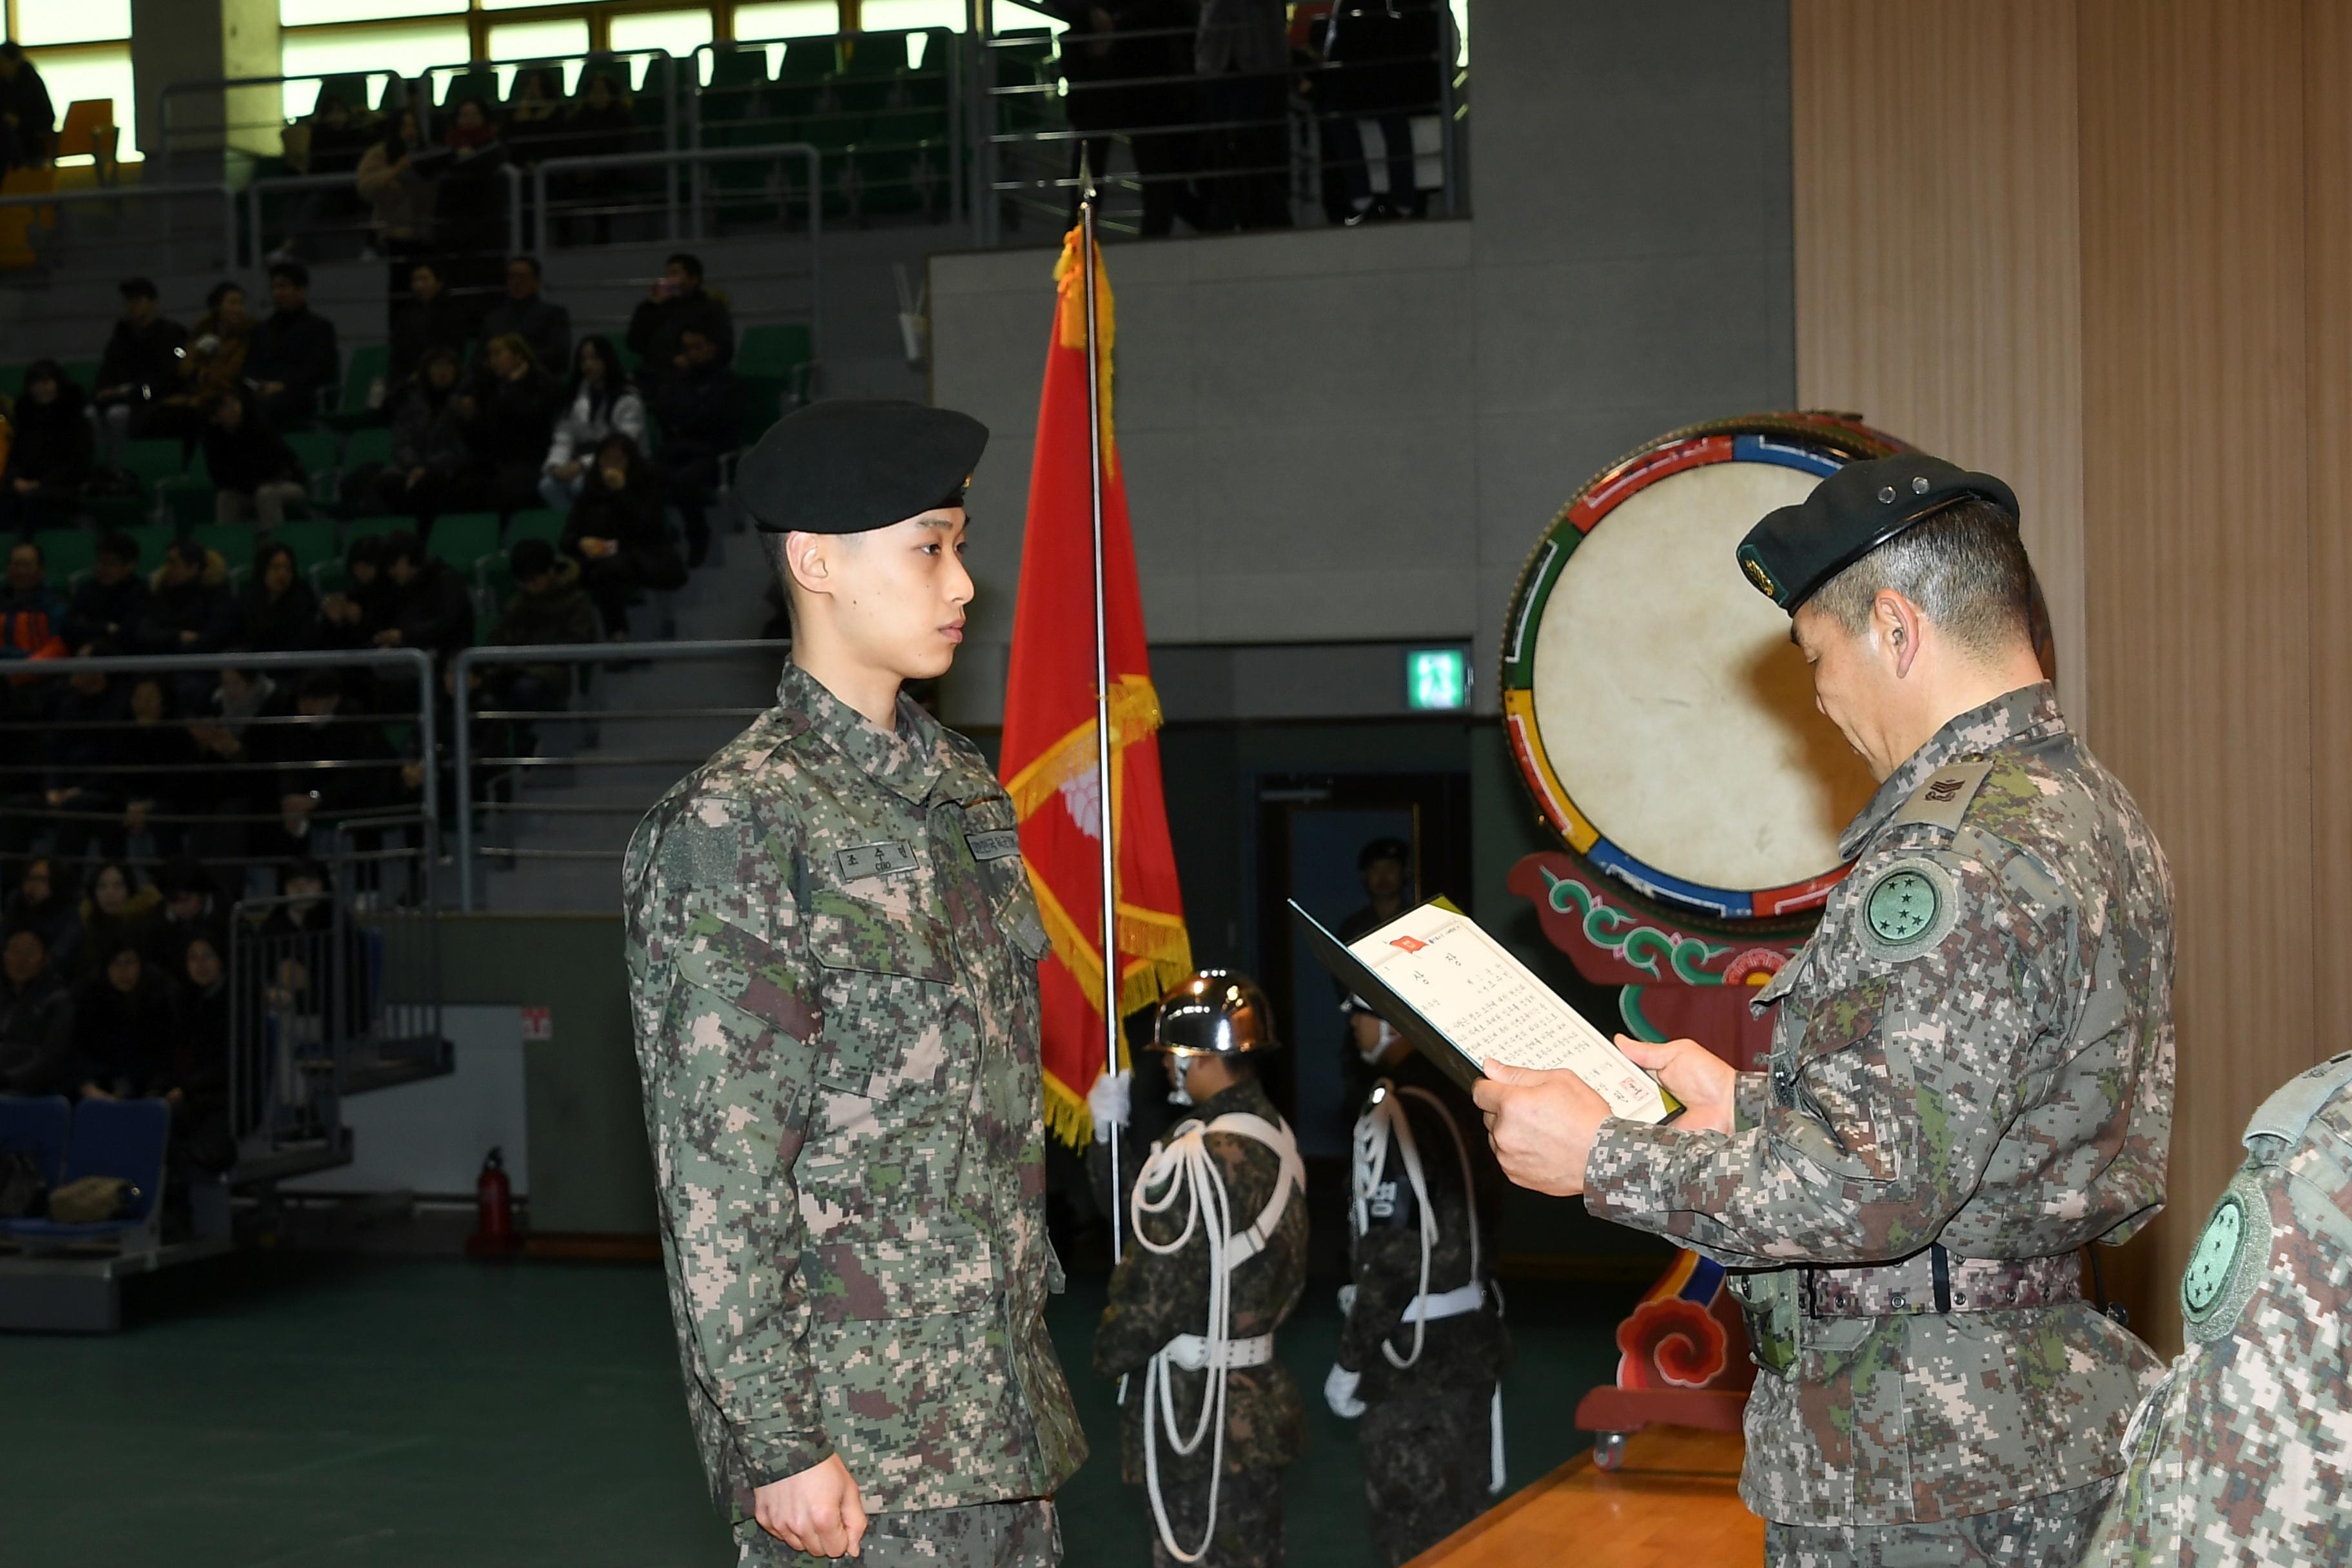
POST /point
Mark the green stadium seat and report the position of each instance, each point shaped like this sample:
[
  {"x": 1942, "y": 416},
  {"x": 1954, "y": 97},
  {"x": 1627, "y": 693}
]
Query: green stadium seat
[
  {"x": 153, "y": 539},
  {"x": 315, "y": 450},
  {"x": 479, "y": 85},
  {"x": 368, "y": 364},
  {"x": 83, "y": 373},
  {"x": 66, "y": 554},
  {"x": 874, "y": 55},
  {"x": 150, "y": 462},
  {"x": 809, "y": 60},
  {"x": 463, "y": 538},
  {"x": 371, "y": 527},
  {"x": 236, "y": 542},
  {"x": 538, "y": 523},
  {"x": 371, "y": 444},
  {"x": 311, "y": 539},
  {"x": 12, "y": 378}
]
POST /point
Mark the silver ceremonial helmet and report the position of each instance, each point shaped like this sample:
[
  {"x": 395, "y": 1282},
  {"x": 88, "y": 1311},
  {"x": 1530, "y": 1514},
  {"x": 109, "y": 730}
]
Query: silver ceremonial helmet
[{"x": 1216, "y": 1013}]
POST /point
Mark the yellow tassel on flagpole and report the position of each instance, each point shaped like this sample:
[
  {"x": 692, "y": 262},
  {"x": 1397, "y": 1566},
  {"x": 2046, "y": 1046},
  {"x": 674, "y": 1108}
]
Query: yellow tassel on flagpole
[{"x": 1073, "y": 320}]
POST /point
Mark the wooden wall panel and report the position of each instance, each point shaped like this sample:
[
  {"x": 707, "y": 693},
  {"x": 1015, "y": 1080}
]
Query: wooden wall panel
[
  {"x": 1937, "y": 251},
  {"x": 2196, "y": 532},
  {"x": 2327, "y": 231}
]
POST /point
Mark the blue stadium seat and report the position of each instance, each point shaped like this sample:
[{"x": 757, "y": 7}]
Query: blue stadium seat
[
  {"x": 36, "y": 1126},
  {"x": 124, "y": 1137}
]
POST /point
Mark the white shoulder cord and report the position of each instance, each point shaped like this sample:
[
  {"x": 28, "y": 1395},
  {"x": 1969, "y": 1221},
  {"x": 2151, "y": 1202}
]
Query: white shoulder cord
[
  {"x": 1384, "y": 1120},
  {"x": 1185, "y": 1164}
]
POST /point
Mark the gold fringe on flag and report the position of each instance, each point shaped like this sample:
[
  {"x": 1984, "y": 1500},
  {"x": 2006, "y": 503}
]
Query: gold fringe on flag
[
  {"x": 1073, "y": 325},
  {"x": 1134, "y": 714}
]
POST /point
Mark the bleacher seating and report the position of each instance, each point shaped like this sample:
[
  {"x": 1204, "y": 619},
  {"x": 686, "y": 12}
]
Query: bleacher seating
[{"x": 124, "y": 1139}]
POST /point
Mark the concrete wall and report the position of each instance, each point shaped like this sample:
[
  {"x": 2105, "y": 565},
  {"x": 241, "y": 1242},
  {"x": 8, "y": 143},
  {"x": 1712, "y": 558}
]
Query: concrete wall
[{"x": 1331, "y": 435}]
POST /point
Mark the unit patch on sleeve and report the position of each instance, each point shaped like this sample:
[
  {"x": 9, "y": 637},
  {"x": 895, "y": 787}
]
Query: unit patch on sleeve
[
  {"x": 2227, "y": 1262},
  {"x": 1908, "y": 908}
]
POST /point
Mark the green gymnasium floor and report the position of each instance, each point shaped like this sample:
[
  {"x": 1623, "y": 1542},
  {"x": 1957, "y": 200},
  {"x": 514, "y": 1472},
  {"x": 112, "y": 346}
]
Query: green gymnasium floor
[{"x": 312, "y": 1410}]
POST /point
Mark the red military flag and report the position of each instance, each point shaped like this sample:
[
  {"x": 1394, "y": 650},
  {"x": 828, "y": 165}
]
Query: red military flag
[{"x": 1050, "y": 763}]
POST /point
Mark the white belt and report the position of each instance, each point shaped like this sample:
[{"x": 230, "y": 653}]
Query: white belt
[
  {"x": 1191, "y": 1352},
  {"x": 1451, "y": 1304}
]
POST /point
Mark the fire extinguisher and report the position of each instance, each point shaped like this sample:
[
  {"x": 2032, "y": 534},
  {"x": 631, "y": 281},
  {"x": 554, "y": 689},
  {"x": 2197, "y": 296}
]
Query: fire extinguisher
[{"x": 494, "y": 1231}]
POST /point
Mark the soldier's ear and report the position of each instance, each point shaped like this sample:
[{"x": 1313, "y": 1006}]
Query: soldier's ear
[{"x": 809, "y": 561}]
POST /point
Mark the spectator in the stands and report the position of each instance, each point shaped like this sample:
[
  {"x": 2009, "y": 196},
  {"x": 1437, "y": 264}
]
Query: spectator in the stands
[
  {"x": 122, "y": 1018},
  {"x": 235, "y": 750},
  {"x": 331, "y": 140},
  {"x": 399, "y": 192},
  {"x": 28, "y": 120},
  {"x": 189, "y": 609},
  {"x": 37, "y": 1022},
  {"x": 162, "y": 781},
  {"x": 430, "y": 318},
  {"x": 49, "y": 452},
  {"x": 507, "y": 430},
  {"x": 699, "y": 406},
  {"x": 192, "y": 907},
  {"x": 359, "y": 765},
  {"x": 142, "y": 364},
  {"x": 527, "y": 312},
  {"x": 213, "y": 362},
  {"x": 431, "y": 608},
  {"x": 617, "y": 534},
  {"x": 471, "y": 211},
  {"x": 32, "y": 617},
  {"x": 108, "y": 605},
  {"x": 599, "y": 125},
  {"x": 308, "y": 913},
  {"x": 116, "y": 911},
  {"x": 74, "y": 804},
  {"x": 602, "y": 403},
  {"x": 278, "y": 613},
  {"x": 256, "y": 473},
  {"x": 38, "y": 902},
  {"x": 350, "y": 617},
  {"x": 535, "y": 124},
  {"x": 678, "y": 302},
  {"x": 549, "y": 606},
  {"x": 294, "y": 357},
  {"x": 427, "y": 471},
  {"x": 193, "y": 1072}
]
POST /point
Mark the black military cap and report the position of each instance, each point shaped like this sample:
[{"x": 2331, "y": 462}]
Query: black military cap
[
  {"x": 849, "y": 465},
  {"x": 1796, "y": 549}
]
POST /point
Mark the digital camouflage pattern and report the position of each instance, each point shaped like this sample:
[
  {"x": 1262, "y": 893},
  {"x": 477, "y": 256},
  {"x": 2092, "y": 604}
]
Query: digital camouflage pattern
[
  {"x": 1997, "y": 1077},
  {"x": 833, "y": 953},
  {"x": 2241, "y": 1455},
  {"x": 2046, "y": 1532},
  {"x": 1155, "y": 1296},
  {"x": 1428, "y": 1461},
  {"x": 1249, "y": 1520},
  {"x": 1425, "y": 1431},
  {"x": 981, "y": 1535}
]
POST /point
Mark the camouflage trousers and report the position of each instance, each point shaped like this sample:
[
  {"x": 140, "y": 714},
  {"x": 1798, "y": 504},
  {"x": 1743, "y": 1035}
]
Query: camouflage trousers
[
  {"x": 1024, "y": 1534},
  {"x": 1427, "y": 1465},
  {"x": 1249, "y": 1521},
  {"x": 2050, "y": 1532}
]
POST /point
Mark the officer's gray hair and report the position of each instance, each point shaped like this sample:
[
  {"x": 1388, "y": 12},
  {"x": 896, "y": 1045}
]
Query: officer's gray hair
[{"x": 1965, "y": 570}]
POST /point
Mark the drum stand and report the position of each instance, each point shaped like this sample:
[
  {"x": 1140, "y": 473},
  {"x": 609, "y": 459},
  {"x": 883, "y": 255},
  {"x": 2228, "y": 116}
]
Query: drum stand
[{"x": 1684, "y": 1353}]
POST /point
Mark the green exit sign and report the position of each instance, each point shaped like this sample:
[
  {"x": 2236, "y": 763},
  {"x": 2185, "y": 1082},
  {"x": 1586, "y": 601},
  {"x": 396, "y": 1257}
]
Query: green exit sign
[{"x": 1436, "y": 679}]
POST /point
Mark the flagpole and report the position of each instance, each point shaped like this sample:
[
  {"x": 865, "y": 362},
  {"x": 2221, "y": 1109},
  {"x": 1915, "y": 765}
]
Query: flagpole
[{"x": 1102, "y": 694}]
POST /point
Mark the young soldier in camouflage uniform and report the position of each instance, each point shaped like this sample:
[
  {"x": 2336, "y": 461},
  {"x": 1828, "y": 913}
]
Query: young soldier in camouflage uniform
[
  {"x": 1216, "y": 1259},
  {"x": 1971, "y": 1075},
  {"x": 2244, "y": 1454},
  {"x": 1423, "y": 1346},
  {"x": 833, "y": 950}
]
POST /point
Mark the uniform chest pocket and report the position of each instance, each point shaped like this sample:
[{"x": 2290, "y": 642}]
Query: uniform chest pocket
[
  {"x": 992, "y": 832},
  {"x": 882, "y": 972}
]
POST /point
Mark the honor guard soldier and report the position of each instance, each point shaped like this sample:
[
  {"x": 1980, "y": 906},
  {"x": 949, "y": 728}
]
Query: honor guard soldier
[
  {"x": 834, "y": 952},
  {"x": 1422, "y": 1348},
  {"x": 1216, "y": 1259},
  {"x": 2244, "y": 1453},
  {"x": 1971, "y": 1072}
]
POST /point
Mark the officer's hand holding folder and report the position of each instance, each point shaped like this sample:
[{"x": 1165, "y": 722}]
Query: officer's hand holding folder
[{"x": 1462, "y": 999}]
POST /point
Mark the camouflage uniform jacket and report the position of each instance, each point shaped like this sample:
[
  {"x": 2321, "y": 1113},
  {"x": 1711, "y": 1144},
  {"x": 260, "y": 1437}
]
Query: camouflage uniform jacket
[
  {"x": 1384, "y": 1253},
  {"x": 833, "y": 950},
  {"x": 1975, "y": 1049},
  {"x": 2243, "y": 1453},
  {"x": 1155, "y": 1296}
]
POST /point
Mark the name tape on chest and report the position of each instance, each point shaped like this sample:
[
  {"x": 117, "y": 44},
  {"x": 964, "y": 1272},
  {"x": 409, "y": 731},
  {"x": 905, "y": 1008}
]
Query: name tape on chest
[
  {"x": 995, "y": 845},
  {"x": 880, "y": 859}
]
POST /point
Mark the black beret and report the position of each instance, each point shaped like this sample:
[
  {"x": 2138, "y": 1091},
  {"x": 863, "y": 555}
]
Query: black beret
[
  {"x": 1796, "y": 549},
  {"x": 849, "y": 465}
]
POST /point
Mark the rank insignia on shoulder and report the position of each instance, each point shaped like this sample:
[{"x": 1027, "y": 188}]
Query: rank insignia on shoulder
[
  {"x": 1943, "y": 799},
  {"x": 873, "y": 860},
  {"x": 2227, "y": 1262},
  {"x": 1908, "y": 908},
  {"x": 994, "y": 845}
]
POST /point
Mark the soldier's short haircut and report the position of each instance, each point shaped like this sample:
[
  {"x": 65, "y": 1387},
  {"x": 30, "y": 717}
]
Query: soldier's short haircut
[
  {"x": 772, "y": 545},
  {"x": 1965, "y": 570}
]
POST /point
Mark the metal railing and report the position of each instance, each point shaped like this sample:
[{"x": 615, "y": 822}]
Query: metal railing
[
  {"x": 124, "y": 195},
  {"x": 257, "y": 194},
  {"x": 479, "y": 776}
]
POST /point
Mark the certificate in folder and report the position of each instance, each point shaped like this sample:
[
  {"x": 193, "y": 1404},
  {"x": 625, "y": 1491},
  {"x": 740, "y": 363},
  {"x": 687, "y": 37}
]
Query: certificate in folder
[{"x": 1461, "y": 998}]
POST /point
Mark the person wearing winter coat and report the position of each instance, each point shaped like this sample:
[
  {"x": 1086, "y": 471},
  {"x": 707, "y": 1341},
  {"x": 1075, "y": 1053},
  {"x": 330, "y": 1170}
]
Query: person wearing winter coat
[
  {"x": 256, "y": 473},
  {"x": 618, "y": 535},
  {"x": 601, "y": 402},
  {"x": 425, "y": 476},
  {"x": 549, "y": 606},
  {"x": 50, "y": 451}
]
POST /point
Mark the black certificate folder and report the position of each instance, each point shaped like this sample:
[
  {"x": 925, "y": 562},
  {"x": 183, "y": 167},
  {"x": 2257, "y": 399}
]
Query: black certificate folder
[{"x": 1376, "y": 994}]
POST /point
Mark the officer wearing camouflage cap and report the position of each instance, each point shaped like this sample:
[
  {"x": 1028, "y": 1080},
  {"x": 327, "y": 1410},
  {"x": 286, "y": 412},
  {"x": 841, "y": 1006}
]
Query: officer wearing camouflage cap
[
  {"x": 834, "y": 952},
  {"x": 2244, "y": 1453},
  {"x": 1971, "y": 1073}
]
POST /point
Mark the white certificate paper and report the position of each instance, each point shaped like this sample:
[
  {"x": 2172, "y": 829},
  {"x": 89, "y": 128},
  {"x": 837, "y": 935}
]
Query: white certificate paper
[{"x": 1489, "y": 1005}]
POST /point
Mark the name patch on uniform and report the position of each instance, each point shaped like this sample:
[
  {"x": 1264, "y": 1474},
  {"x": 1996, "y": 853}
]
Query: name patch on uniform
[
  {"x": 994, "y": 845},
  {"x": 873, "y": 860}
]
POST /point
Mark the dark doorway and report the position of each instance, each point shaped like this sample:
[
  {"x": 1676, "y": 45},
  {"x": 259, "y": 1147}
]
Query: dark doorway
[{"x": 1310, "y": 829}]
